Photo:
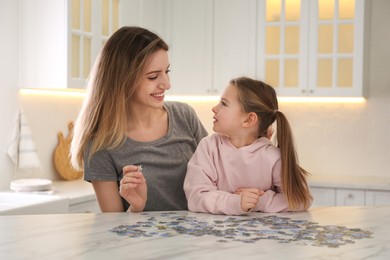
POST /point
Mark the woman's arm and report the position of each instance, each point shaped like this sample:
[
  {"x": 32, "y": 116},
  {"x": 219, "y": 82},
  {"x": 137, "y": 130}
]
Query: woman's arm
[{"x": 107, "y": 194}]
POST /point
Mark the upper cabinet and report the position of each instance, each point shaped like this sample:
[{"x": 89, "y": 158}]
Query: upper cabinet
[
  {"x": 91, "y": 23},
  {"x": 234, "y": 42},
  {"x": 312, "y": 48},
  {"x": 60, "y": 39},
  {"x": 211, "y": 42},
  {"x": 300, "y": 47},
  {"x": 190, "y": 38}
]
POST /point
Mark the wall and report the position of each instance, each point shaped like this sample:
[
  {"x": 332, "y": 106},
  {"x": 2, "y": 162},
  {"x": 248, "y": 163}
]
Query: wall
[
  {"x": 8, "y": 83},
  {"x": 351, "y": 139},
  {"x": 332, "y": 139}
]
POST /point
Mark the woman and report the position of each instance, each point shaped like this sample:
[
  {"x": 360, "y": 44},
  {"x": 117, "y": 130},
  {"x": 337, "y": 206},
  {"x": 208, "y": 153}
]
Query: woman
[{"x": 124, "y": 123}]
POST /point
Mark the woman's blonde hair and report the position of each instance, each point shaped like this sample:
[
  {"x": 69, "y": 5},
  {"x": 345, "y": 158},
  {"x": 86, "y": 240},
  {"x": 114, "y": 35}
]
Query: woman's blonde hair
[
  {"x": 259, "y": 97},
  {"x": 102, "y": 120}
]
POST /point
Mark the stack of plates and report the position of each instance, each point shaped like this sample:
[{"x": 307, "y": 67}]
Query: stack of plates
[{"x": 31, "y": 184}]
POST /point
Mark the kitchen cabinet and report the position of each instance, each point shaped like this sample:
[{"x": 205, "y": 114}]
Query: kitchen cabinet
[
  {"x": 346, "y": 190},
  {"x": 191, "y": 39},
  {"x": 84, "y": 206},
  {"x": 325, "y": 196},
  {"x": 302, "y": 48},
  {"x": 75, "y": 196},
  {"x": 80, "y": 195},
  {"x": 377, "y": 198},
  {"x": 313, "y": 48},
  {"x": 91, "y": 23},
  {"x": 60, "y": 39},
  {"x": 349, "y": 197},
  {"x": 234, "y": 43},
  {"x": 212, "y": 41}
]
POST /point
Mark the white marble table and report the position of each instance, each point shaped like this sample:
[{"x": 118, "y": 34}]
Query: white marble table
[{"x": 156, "y": 235}]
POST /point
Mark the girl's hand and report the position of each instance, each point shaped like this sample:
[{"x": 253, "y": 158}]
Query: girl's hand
[
  {"x": 133, "y": 188},
  {"x": 249, "y": 197}
]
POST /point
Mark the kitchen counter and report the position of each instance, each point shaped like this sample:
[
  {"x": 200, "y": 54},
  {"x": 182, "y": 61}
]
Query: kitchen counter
[
  {"x": 75, "y": 196},
  {"x": 76, "y": 191},
  {"x": 350, "y": 182},
  {"x": 320, "y": 233}
]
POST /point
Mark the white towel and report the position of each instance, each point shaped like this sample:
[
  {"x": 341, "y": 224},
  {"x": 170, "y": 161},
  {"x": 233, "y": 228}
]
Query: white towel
[{"x": 22, "y": 150}]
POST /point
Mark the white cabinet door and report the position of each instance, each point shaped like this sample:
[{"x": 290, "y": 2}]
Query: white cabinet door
[
  {"x": 323, "y": 196},
  {"x": 234, "y": 47},
  {"x": 43, "y": 44},
  {"x": 211, "y": 43},
  {"x": 347, "y": 197},
  {"x": 377, "y": 198},
  {"x": 336, "y": 48},
  {"x": 191, "y": 45},
  {"x": 85, "y": 207},
  {"x": 283, "y": 46}
]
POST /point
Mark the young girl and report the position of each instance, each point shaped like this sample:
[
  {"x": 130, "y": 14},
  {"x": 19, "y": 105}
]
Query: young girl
[
  {"x": 237, "y": 169},
  {"x": 124, "y": 123}
]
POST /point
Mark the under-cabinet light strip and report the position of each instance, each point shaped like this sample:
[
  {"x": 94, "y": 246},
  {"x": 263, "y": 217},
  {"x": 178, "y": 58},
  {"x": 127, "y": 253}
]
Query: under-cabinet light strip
[
  {"x": 53, "y": 92},
  {"x": 81, "y": 93}
]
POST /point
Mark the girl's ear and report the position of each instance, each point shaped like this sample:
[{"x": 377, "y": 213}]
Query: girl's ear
[{"x": 250, "y": 120}]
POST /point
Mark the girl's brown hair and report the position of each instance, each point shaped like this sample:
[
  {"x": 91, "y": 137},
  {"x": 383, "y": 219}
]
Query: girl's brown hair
[
  {"x": 103, "y": 117},
  {"x": 260, "y": 98}
]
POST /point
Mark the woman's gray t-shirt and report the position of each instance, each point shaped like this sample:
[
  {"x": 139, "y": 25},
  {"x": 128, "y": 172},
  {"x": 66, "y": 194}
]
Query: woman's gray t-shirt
[{"x": 164, "y": 161}]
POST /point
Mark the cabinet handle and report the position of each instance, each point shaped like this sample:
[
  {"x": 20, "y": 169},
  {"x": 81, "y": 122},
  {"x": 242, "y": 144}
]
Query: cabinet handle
[{"x": 350, "y": 196}]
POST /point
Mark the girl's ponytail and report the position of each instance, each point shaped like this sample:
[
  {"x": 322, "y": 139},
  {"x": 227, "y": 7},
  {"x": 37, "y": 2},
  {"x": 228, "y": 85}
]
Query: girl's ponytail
[{"x": 293, "y": 176}]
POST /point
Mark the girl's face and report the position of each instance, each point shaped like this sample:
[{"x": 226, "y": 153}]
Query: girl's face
[
  {"x": 154, "y": 80},
  {"x": 228, "y": 113}
]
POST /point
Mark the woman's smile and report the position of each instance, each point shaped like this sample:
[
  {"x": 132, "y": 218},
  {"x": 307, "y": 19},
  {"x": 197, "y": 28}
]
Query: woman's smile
[{"x": 158, "y": 96}]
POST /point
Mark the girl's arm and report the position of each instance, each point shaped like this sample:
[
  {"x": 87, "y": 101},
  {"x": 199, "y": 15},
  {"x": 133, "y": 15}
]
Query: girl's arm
[
  {"x": 200, "y": 186},
  {"x": 275, "y": 200}
]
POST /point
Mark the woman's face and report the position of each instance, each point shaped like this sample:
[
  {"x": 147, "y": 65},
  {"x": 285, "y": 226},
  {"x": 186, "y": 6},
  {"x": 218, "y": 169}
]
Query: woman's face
[
  {"x": 228, "y": 113},
  {"x": 154, "y": 80}
]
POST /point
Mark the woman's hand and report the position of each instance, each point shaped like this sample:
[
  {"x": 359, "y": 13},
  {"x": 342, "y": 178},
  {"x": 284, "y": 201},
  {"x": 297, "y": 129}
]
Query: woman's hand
[
  {"x": 133, "y": 188},
  {"x": 249, "y": 197}
]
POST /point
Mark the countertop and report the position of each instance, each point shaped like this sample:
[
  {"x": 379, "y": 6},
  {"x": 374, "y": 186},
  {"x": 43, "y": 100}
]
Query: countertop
[
  {"x": 350, "y": 182},
  {"x": 320, "y": 233},
  {"x": 76, "y": 191},
  {"x": 79, "y": 190},
  {"x": 63, "y": 197}
]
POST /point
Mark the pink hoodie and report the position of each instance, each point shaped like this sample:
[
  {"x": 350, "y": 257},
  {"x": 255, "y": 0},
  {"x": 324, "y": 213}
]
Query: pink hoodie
[{"x": 217, "y": 169}]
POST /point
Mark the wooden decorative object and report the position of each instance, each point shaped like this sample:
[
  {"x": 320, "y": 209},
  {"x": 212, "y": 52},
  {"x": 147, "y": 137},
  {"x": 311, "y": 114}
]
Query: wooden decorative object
[{"x": 62, "y": 157}]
